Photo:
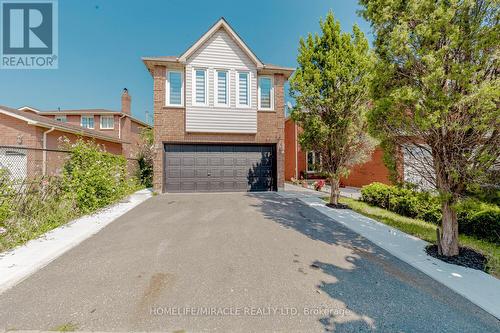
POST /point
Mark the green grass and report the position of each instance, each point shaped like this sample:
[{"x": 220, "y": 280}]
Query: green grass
[{"x": 426, "y": 231}]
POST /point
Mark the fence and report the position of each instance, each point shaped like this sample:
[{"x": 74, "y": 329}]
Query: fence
[{"x": 25, "y": 163}]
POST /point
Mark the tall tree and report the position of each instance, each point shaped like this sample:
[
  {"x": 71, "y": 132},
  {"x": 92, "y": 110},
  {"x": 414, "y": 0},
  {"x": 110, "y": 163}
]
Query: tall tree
[
  {"x": 331, "y": 89},
  {"x": 437, "y": 91}
]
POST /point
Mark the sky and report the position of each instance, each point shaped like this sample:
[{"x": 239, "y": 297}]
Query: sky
[{"x": 101, "y": 43}]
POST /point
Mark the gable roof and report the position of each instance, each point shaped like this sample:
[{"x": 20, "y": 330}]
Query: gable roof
[
  {"x": 221, "y": 24},
  {"x": 41, "y": 121}
]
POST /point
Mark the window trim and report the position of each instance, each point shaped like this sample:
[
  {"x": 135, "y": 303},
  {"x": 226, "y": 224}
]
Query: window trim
[
  {"x": 216, "y": 88},
  {"x": 193, "y": 94},
  {"x": 249, "y": 90},
  {"x": 167, "y": 88},
  {"x": 271, "y": 108},
  {"x": 90, "y": 117},
  {"x": 314, "y": 160},
  {"x": 61, "y": 116},
  {"x": 106, "y": 116}
]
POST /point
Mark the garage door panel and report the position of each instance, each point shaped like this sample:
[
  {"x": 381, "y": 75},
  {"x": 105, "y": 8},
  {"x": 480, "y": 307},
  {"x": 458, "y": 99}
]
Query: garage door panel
[
  {"x": 187, "y": 173},
  {"x": 202, "y": 186},
  {"x": 201, "y": 161},
  {"x": 173, "y": 173},
  {"x": 218, "y": 168},
  {"x": 201, "y": 173},
  {"x": 188, "y": 161},
  {"x": 215, "y": 161},
  {"x": 174, "y": 161}
]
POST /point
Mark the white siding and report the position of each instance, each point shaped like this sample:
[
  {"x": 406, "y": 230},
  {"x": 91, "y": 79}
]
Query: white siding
[{"x": 221, "y": 52}]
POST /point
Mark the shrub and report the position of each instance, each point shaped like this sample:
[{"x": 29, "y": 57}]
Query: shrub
[
  {"x": 475, "y": 218},
  {"x": 145, "y": 158},
  {"x": 96, "y": 178},
  {"x": 377, "y": 194},
  {"x": 479, "y": 219},
  {"x": 6, "y": 190}
]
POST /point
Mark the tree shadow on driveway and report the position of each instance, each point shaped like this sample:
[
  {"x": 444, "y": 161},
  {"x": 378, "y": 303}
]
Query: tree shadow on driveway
[{"x": 384, "y": 293}]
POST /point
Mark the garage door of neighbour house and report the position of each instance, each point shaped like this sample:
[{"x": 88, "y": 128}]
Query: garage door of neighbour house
[{"x": 219, "y": 168}]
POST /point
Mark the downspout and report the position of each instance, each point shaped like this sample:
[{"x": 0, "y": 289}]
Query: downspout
[
  {"x": 120, "y": 126},
  {"x": 44, "y": 145}
]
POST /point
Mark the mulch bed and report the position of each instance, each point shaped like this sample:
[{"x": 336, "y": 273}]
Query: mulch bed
[
  {"x": 466, "y": 257},
  {"x": 337, "y": 206}
]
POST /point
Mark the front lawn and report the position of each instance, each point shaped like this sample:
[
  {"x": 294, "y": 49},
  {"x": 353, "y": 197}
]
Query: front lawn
[{"x": 426, "y": 231}]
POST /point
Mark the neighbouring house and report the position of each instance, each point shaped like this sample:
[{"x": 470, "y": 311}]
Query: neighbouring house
[
  {"x": 117, "y": 124},
  {"x": 30, "y": 140},
  {"x": 219, "y": 117},
  {"x": 301, "y": 164}
]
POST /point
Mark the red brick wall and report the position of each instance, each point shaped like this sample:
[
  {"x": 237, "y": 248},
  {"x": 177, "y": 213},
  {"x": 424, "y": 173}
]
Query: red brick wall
[
  {"x": 372, "y": 171},
  {"x": 170, "y": 127},
  {"x": 16, "y": 132}
]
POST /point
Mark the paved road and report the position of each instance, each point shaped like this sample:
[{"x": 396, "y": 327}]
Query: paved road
[{"x": 258, "y": 262}]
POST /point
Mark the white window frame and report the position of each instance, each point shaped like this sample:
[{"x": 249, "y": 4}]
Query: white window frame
[
  {"x": 249, "y": 89},
  {"x": 90, "y": 117},
  {"x": 216, "y": 88},
  {"x": 167, "y": 88},
  {"x": 107, "y": 117},
  {"x": 60, "y": 118},
  {"x": 271, "y": 108},
  {"x": 193, "y": 95},
  {"x": 315, "y": 154}
]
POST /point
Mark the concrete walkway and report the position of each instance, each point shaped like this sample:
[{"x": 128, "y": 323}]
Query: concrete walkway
[
  {"x": 348, "y": 192},
  {"x": 19, "y": 263},
  {"x": 479, "y": 287}
]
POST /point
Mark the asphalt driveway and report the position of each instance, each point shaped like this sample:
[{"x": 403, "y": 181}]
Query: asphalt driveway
[{"x": 234, "y": 262}]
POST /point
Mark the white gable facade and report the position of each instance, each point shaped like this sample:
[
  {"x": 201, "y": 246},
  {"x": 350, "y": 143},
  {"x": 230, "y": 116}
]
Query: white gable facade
[{"x": 220, "y": 52}]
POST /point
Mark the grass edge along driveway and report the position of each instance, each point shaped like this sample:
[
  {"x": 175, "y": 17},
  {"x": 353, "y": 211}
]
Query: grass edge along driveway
[{"x": 425, "y": 231}]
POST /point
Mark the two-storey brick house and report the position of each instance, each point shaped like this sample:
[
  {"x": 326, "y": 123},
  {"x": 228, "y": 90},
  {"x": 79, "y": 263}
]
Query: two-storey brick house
[{"x": 219, "y": 117}]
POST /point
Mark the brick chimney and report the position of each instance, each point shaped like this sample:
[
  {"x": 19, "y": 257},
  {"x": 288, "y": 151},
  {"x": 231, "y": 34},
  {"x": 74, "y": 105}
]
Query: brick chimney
[{"x": 126, "y": 101}]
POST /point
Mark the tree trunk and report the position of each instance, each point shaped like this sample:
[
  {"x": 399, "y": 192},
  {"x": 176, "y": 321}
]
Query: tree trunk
[
  {"x": 449, "y": 225},
  {"x": 334, "y": 191}
]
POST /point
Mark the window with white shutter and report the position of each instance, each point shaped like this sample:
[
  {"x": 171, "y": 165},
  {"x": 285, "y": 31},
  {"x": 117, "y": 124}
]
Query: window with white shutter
[
  {"x": 222, "y": 88},
  {"x": 243, "y": 98},
  {"x": 200, "y": 87}
]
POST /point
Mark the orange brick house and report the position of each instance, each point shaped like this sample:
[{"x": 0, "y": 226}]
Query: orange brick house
[
  {"x": 116, "y": 124},
  {"x": 219, "y": 117},
  {"x": 30, "y": 138},
  {"x": 299, "y": 163}
]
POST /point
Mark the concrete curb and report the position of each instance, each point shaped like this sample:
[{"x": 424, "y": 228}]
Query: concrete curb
[
  {"x": 22, "y": 261},
  {"x": 478, "y": 287}
]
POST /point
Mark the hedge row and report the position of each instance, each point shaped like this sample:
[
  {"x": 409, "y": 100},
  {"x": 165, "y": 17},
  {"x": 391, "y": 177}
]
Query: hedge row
[{"x": 475, "y": 218}]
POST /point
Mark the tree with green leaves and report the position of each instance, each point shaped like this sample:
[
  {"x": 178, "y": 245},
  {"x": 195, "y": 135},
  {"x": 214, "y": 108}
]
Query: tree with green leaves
[
  {"x": 331, "y": 90},
  {"x": 436, "y": 92}
]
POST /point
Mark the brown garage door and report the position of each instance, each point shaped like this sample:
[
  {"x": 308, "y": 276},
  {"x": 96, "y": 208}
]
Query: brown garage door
[{"x": 219, "y": 168}]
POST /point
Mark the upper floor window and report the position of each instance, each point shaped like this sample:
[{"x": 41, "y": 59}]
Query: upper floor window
[
  {"x": 61, "y": 118},
  {"x": 266, "y": 93},
  {"x": 243, "y": 96},
  {"x": 87, "y": 121},
  {"x": 222, "y": 88},
  {"x": 174, "y": 88},
  {"x": 200, "y": 86},
  {"x": 107, "y": 122}
]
